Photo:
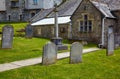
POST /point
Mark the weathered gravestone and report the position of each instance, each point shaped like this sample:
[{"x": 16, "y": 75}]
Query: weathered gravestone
[
  {"x": 76, "y": 53},
  {"x": 28, "y": 31},
  {"x": 7, "y": 36},
  {"x": 110, "y": 44},
  {"x": 49, "y": 54}
]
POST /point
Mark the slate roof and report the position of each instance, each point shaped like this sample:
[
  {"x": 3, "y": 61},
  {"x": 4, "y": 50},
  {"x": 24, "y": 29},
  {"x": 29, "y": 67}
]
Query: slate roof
[
  {"x": 113, "y": 4},
  {"x": 68, "y": 8},
  {"x": 65, "y": 9},
  {"x": 42, "y": 14},
  {"x": 104, "y": 9}
]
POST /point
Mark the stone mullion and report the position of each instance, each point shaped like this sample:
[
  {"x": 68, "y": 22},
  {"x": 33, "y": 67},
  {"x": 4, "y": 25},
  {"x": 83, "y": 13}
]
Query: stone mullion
[
  {"x": 83, "y": 25},
  {"x": 87, "y": 25}
]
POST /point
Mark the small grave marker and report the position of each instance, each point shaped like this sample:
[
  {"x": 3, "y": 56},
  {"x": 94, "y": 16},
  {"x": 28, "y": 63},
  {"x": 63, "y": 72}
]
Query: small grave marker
[
  {"x": 28, "y": 31},
  {"x": 110, "y": 44},
  {"x": 76, "y": 53},
  {"x": 49, "y": 54},
  {"x": 7, "y": 36}
]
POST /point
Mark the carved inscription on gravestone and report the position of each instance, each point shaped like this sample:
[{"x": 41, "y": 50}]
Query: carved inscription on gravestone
[
  {"x": 49, "y": 54},
  {"x": 110, "y": 44},
  {"x": 76, "y": 53},
  {"x": 28, "y": 31},
  {"x": 7, "y": 36}
]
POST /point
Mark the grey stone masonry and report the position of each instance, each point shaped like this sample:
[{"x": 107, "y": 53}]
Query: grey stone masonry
[
  {"x": 49, "y": 54},
  {"x": 28, "y": 31},
  {"x": 110, "y": 45},
  {"x": 76, "y": 53},
  {"x": 7, "y": 36}
]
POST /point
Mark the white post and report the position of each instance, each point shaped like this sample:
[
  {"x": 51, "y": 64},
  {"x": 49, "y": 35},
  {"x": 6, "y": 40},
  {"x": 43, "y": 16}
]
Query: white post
[
  {"x": 103, "y": 27},
  {"x": 56, "y": 22}
]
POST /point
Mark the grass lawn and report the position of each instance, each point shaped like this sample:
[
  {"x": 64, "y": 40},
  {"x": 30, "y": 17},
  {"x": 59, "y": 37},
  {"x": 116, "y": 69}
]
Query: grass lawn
[
  {"x": 95, "y": 65},
  {"x": 17, "y": 26},
  {"x": 23, "y": 49},
  {"x": 26, "y": 48}
]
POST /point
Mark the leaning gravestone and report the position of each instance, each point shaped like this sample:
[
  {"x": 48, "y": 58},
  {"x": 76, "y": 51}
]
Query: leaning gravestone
[
  {"x": 7, "y": 36},
  {"x": 28, "y": 31},
  {"x": 49, "y": 54},
  {"x": 110, "y": 44},
  {"x": 76, "y": 53}
]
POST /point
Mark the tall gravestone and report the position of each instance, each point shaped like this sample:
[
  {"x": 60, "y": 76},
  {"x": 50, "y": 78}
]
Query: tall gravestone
[
  {"x": 76, "y": 53},
  {"x": 49, "y": 54},
  {"x": 110, "y": 41},
  {"x": 7, "y": 36},
  {"x": 29, "y": 31}
]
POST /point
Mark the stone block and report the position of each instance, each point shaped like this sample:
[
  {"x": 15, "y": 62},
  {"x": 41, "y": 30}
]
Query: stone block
[
  {"x": 49, "y": 54},
  {"x": 7, "y": 36},
  {"x": 110, "y": 42},
  {"x": 76, "y": 53}
]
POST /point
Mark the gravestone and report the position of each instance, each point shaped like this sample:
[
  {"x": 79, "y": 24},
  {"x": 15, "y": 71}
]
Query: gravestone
[
  {"x": 76, "y": 53},
  {"x": 110, "y": 44},
  {"x": 28, "y": 31},
  {"x": 49, "y": 54},
  {"x": 7, "y": 36}
]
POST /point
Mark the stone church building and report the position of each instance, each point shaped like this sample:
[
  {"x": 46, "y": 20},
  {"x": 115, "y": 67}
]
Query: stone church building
[
  {"x": 89, "y": 21},
  {"x": 23, "y": 10}
]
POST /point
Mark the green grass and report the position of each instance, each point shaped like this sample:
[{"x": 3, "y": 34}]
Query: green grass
[
  {"x": 95, "y": 65},
  {"x": 17, "y": 26},
  {"x": 90, "y": 45},
  {"x": 23, "y": 49},
  {"x": 27, "y": 48}
]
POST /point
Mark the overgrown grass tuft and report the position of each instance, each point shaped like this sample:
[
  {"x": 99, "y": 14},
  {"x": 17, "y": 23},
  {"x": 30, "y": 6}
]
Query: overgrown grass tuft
[
  {"x": 96, "y": 65},
  {"x": 17, "y": 26}
]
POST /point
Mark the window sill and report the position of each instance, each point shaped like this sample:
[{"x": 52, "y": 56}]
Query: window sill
[{"x": 85, "y": 32}]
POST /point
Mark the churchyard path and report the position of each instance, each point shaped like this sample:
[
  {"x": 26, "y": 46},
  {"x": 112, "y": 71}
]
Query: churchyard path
[{"x": 33, "y": 61}]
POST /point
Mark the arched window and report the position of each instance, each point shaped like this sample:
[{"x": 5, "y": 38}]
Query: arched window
[
  {"x": 20, "y": 17},
  {"x": 9, "y": 17}
]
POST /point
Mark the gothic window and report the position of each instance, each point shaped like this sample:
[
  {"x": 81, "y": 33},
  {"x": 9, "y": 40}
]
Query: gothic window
[
  {"x": 86, "y": 7},
  {"x": 20, "y": 17},
  {"x": 81, "y": 26},
  {"x": 14, "y": 4},
  {"x": 85, "y": 17},
  {"x": 9, "y": 17},
  {"x": 85, "y": 24},
  {"x": 90, "y": 25},
  {"x": 35, "y": 2}
]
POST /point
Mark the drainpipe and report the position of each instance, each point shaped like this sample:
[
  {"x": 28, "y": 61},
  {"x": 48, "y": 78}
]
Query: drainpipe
[
  {"x": 70, "y": 30},
  {"x": 103, "y": 27}
]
